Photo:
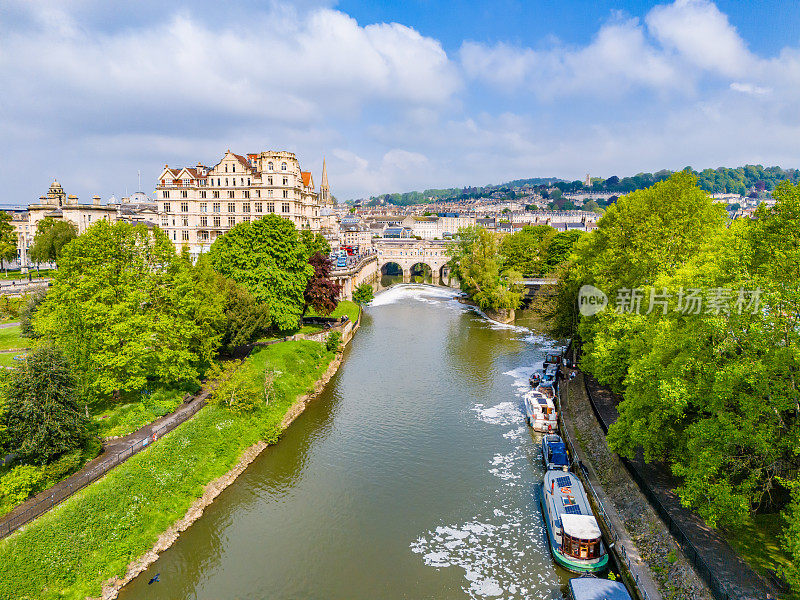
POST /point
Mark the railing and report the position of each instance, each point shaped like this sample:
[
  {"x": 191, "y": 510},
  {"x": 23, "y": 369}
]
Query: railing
[
  {"x": 62, "y": 492},
  {"x": 618, "y": 547}
]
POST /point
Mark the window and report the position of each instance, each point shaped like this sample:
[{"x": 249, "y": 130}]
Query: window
[
  {"x": 185, "y": 221},
  {"x": 203, "y": 194},
  {"x": 246, "y": 219},
  {"x": 226, "y": 170},
  {"x": 285, "y": 193},
  {"x": 166, "y": 207},
  {"x": 203, "y": 221},
  {"x": 165, "y": 194},
  {"x": 234, "y": 168},
  {"x": 215, "y": 207},
  {"x": 246, "y": 207},
  {"x": 216, "y": 194},
  {"x": 285, "y": 207},
  {"x": 184, "y": 207},
  {"x": 184, "y": 194},
  {"x": 231, "y": 221},
  {"x": 284, "y": 166},
  {"x": 216, "y": 221},
  {"x": 203, "y": 207},
  {"x": 271, "y": 166},
  {"x": 269, "y": 193},
  {"x": 164, "y": 221},
  {"x": 203, "y": 235},
  {"x": 259, "y": 207},
  {"x": 246, "y": 193},
  {"x": 217, "y": 181},
  {"x": 258, "y": 194},
  {"x": 230, "y": 193},
  {"x": 231, "y": 207},
  {"x": 185, "y": 236},
  {"x": 270, "y": 207},
  {"x": 269, "y": 180},
  {"x": 185, "y": 182},
  {"x": 226, "y": 182},
  {"x": 248, "y": 181},
  {"x": 241, "y": 181}
]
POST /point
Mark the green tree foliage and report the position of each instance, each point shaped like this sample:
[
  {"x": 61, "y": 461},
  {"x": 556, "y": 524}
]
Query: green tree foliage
[
  {"x": 363, "y": 294},
  {"x": 714, "y": 393},
  {"x": 314, "y": 243},
  {"x": 51, "y": 237},
  {"x": 526, "y": 250},
  {"x": 235, "y": 388},
  {"x": 42, "y": 418},
  {"x": 268, "y": 258},
  {"x": 8, "y": 239},
  {"x": 244, "y": 319},
  {"x": 334, "y": 341},
  {"x": 29, "y": 306},
  {"x": 478, "y": 265},
  {"x": 123, "y": 307}
]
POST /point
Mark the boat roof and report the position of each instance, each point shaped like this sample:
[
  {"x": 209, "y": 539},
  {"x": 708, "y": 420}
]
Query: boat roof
[
  {"x": 582, "y": 527},
  {"x": 539, "y": 398},
  {"x": 593, "y": 588}
]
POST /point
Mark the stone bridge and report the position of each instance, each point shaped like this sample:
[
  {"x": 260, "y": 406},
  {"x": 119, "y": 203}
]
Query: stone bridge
[
  {"x": 363, "y": 270},
  {"x": 412, "y": 256}
]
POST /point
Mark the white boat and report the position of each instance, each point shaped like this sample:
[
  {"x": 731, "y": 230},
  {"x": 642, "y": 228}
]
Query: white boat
[
  {"x": 575, "y": 538},
  {"x": 540, "y": 412}
]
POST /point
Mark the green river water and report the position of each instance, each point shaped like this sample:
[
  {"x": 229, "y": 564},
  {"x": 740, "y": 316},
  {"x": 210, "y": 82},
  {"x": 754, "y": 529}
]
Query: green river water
[{"x": 413, "y": 476}]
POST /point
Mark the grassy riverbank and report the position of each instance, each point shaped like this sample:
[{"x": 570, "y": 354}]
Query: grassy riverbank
[{"x": 72, "y": 550}]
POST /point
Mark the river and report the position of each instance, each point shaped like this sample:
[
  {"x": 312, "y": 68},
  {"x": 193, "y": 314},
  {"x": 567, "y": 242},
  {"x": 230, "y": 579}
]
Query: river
[{"x": 412, "y": 476}]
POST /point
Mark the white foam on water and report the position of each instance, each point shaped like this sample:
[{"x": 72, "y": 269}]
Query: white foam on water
[
  {"x": 522, "y": 375},
  {"x": 498, "y": 557},
  {"x": 421, "y": 293},
  {"x": 515, "y": 434},
  {"x": 505, "y": 413},
  {"x": 504, "y": 467}
]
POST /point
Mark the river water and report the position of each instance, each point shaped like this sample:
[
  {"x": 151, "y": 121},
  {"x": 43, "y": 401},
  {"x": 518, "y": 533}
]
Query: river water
[{"x": 412, "y": 476}]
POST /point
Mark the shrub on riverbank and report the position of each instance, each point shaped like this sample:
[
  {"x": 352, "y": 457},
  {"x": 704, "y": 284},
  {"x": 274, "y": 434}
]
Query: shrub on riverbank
[{"x": 70, "y": 551}]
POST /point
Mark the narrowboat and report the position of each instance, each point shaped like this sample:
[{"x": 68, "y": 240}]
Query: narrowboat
[
  {"x": 592, "y": 588},
  {"x": 552, "y": 359},
  {"x": 554, "y": 452},
  {"x": 535, "y": 379},
  {"x": 574, "y": 534},
  {"x": 549, "y": 374},
  {"x": 540, "y": 412}
]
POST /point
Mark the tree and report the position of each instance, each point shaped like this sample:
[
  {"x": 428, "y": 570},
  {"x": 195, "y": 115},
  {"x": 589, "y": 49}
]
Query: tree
[
  {"x": 269, "y": 260},
  {"x": 592, "y": 206},
  {"x": 235, "y": 388},
  {"x": 477, "y": 265},
  {"x": 243, "y": 318},
  {"x": 314, "y": 242},
  {"x": 51, "y": 237},
  {"x": 8, "y": 239},
  {"x": 363, "y": 294},
  {"x": 524, "y": 251},
  {"x": 124, "y": 308},
  {"x": 29, "y": 307},
  {"x": 42, "y": 416},
  {"x": 321, "y": 291}
]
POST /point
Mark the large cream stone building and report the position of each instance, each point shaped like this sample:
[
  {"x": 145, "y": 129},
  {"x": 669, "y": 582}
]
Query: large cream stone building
[
  {"x": 57, "y": 205},
  {"x": 199, "y": 204}
]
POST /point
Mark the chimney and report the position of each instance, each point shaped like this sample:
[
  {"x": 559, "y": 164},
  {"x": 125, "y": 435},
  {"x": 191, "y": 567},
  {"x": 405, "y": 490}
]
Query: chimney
[{"x": 96, "y": 200}]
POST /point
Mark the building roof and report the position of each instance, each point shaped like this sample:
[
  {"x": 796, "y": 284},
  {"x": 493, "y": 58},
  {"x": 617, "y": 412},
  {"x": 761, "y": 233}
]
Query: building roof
[
  {"x": 582, "y": 527},
  {"x": 306, "y": 175}
]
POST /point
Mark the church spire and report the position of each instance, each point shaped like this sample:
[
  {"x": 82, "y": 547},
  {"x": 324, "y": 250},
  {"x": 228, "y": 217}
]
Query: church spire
[
  {"x": 324, "y": 189},
  {"x": 324, "y": 175}
]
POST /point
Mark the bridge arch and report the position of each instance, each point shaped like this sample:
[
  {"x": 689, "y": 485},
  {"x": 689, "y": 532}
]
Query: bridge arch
[
  {"x": 392, "y": 268},
  {"x": 422, "y": 272}
]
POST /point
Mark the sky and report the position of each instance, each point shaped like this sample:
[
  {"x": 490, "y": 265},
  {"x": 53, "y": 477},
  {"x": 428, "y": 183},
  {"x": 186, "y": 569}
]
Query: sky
[{"x": 395, "y": 95}]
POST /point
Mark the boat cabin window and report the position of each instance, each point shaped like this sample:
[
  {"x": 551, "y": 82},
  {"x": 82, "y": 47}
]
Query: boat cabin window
[{"x": 580, "y": 548}]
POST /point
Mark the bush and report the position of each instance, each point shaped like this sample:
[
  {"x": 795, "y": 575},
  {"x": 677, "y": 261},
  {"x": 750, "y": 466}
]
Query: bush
[
  {"x": 235, "y": 389},
  {"x": 363, "y": 294},
  {"x": 18, "y": 485},
  {"x": 333, "y": 341}
]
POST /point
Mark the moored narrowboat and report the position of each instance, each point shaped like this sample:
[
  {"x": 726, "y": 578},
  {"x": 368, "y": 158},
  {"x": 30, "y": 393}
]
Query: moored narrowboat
[
  {"x": 554, "y": 452},
  {"x": 572, "y": 529},
  {"x": 592, "y": 588}
]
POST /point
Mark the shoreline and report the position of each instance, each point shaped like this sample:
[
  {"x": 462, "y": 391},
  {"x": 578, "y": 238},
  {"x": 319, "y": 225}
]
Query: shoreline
[{"x": 112, "y": 587}]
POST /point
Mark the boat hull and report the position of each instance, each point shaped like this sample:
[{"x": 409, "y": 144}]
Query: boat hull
[{"x": 570, "y": 564}]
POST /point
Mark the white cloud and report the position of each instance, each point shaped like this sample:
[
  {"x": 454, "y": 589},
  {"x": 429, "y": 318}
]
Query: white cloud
[
  {"x": 749, "y": 88},
  {"x": 617, "y": 59},
  {"x": 702, "y": 35}
]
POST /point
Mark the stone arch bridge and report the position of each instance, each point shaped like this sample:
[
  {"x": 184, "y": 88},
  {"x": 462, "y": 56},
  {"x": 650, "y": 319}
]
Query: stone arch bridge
[{"x": 412, "y": 256}]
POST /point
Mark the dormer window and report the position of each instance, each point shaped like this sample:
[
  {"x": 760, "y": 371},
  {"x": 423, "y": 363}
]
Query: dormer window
[
  {"x": 271, "y": 166},
  {"x": 284, "y": 166}
]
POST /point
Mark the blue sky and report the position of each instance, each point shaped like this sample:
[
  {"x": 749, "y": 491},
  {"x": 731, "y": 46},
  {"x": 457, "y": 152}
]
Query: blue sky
[{"x": 395, "y": 95}]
